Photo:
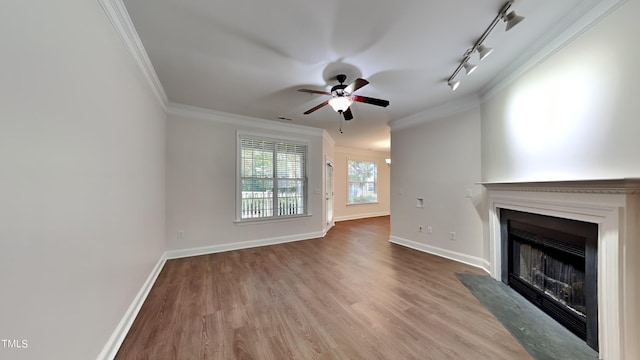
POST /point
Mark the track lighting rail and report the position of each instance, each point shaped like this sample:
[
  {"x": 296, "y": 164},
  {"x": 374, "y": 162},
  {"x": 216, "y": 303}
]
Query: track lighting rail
[{"x": 509, "y": 17}]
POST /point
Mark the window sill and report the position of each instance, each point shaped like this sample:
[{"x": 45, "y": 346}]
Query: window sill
[
  {"x": 364, "y": 203},
  {"x": 271, "y": 220}
]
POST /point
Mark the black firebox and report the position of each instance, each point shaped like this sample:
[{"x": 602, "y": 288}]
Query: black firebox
[{"x": 552, "y": 262}]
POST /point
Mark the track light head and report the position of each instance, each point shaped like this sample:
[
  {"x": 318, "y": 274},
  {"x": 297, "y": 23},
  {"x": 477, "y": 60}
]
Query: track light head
[
  {"x": 484, "y": 51},
  {"x": 453, "y": 84},
  {"x": 512, "y": 20},
  {"x": 469, "y": 67}
]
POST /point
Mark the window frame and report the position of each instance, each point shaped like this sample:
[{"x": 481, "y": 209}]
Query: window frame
[
  {"x": 305, "y": 181},
  {"x": 375, "y": 182}
]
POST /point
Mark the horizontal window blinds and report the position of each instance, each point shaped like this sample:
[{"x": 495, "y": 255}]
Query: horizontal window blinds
[{"x": 273, "y": 178}]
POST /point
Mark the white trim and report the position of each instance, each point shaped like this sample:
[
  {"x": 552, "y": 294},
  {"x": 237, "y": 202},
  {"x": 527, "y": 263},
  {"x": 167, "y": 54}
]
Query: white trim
[
  {"x": 606, "y": 210},
  {"x": 360, "y": 216},
  {"x": 375, "y": 182},
  {"x": 486, "y": 266},
  {"x": 119, "y": 17},
  {"x": 272, "y": 219},
  {"x": 112, "y": 346},
  {"x": 327, "y": 228},
  {"x": 327, "y": 196},
  {"x": 277, "y": 138},
  {"x": 364, "y": 203},
  {"x": 627, "y": 186},
  {"x": 212, "y": 249},
  {"x": 194, "y": 112},
  {"x": 447, "y": 254},
  {"x": 582, "y": 18},
  {"x": 328, "y": 137},
  {"x": 369, "y": 154},
  {"x": 440, "y": 111}
]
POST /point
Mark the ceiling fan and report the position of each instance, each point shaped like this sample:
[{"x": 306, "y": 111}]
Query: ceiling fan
[{"x": 342, "y": 97}]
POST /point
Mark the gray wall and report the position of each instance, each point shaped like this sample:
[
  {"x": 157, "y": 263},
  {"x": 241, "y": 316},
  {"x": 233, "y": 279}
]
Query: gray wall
[
  {"x": 82, "y": 144},
  {"x": 439, "y": 161},
  {"x": 201, "y": 183}
]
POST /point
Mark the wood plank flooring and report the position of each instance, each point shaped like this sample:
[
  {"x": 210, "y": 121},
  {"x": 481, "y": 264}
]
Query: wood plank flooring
[{"x": 350, "y": 295}]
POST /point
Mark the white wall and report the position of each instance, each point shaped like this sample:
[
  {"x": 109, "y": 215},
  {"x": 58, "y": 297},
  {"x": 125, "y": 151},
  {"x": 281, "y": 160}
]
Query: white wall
[
  {"x": 82, "y": 179},
  {"x": 350, "y": 212},
  {"x": 201, "y": 184},
  {"x": 575, "y": 116},
  {"x": 439, "y": 161}
]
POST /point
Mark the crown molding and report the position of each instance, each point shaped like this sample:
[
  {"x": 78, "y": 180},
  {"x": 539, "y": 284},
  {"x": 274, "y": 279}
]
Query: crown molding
[
  {"x": 119, "y": 17},
  {"x": 581, "y": 19},
  {"x": 437, "y": 112},
  {"x": 363, "y": 152},
  {"x": 328, "y": 138},
  {"x": 194, "y": 112}
]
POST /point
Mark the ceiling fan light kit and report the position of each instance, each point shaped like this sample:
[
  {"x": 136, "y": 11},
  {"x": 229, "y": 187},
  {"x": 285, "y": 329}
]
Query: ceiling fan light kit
[
  {"x": 483, "y": 51},
  {"x": 342, "y": 97},
  {"x": 340, "y": 103}
]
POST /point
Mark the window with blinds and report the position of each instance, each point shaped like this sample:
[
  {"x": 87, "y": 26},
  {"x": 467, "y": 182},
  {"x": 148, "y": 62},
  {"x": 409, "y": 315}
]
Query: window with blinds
[
  {"x": 273, "y": 178},
  {"x": 363, "y": 177}
]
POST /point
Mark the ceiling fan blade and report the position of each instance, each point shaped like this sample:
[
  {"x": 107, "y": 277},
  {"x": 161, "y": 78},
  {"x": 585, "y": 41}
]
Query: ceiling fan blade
[
  {"x": 314, "y": 92},
  {"x": 370, "y": 100},
  {"x": 357, "y": 84},
  {"x": 316, "y": 108},
  {"x": 347, "y": 114}
]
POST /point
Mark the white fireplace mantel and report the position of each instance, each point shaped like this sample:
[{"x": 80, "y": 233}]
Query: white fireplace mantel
[
  {"x": 612, "y": 204},
  {"x": 626, "y": 186}
]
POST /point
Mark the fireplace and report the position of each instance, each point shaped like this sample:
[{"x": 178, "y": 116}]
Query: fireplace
[
  {"x": 552, "y": 262},
  {"x": 614, "y": 206}
]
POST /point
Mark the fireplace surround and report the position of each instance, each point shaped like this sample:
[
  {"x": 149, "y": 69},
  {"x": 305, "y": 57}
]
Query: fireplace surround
[
  {"x": 552, "y": 262},
  {"x": 614, "y": 206}
]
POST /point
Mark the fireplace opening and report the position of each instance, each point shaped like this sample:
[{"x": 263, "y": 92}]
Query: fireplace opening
[{"x": 552, "y": 262}]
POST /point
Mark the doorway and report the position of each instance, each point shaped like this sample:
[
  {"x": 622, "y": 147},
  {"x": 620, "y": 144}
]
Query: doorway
[{"x": 329, "y": 192}]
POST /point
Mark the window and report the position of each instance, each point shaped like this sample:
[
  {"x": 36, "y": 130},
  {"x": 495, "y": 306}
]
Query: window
[
  {"x": 362, "y": 182},
  {"x": 273, "y": 178}
]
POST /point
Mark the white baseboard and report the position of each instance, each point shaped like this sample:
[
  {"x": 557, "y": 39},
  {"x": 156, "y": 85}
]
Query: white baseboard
[
  {"x": 212, "y": 249},
  {"x": 486, "y": 266},
  {"x": 448, "y": 254},
  {"x": 361, "y": 216},
  {"x": 112, "y": 346},
  {"x": 327, "y": 228}
]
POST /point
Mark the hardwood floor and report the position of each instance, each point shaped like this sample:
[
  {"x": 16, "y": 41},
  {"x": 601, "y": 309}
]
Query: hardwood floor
[{"x": 350, "y": 295}]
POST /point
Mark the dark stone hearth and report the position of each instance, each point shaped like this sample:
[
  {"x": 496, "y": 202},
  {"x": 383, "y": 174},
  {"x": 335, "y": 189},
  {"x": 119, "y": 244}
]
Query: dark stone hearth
[{"x": 542, "y": 336}]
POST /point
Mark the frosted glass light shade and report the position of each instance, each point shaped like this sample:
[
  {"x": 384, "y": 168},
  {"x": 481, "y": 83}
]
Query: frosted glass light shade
[{"x": 340, "y": 103}]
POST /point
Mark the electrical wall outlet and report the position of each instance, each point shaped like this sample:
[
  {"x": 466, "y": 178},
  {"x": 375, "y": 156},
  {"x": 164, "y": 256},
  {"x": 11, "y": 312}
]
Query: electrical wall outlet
[
  {"x": 429, "y": 230},
  {"x": 420, "y": 228}
]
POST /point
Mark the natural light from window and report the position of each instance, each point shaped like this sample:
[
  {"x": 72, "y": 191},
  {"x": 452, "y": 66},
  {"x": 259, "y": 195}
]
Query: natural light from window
[
  {"x": 362, "y": 187},
  {"x": 272, "y": 178}
]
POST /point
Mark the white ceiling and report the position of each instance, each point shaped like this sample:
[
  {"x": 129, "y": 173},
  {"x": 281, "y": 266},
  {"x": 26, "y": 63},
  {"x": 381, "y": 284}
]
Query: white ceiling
[{"x": 249, "y": 57}]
